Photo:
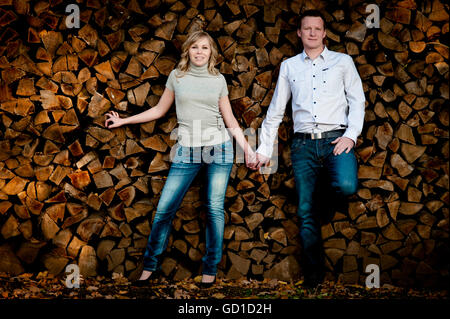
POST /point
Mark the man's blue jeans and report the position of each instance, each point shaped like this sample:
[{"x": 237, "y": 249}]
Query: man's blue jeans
[
  {"x": 186, "y": 163},
  {"x": 308, "y": 158}
]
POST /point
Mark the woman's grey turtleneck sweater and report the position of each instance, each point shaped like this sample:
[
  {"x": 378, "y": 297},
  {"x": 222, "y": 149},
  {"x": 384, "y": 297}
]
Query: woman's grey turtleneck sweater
[{"x": 197, "y": 94}]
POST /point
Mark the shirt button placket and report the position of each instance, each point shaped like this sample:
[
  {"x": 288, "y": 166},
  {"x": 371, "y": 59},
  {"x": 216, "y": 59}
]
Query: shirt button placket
[{"x": 314, "y": 93}]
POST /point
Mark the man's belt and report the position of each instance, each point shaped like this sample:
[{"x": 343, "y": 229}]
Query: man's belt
[{"x": 319, "y": 135}]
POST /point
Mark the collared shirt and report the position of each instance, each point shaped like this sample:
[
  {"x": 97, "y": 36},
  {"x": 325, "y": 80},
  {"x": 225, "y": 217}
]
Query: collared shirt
[{"x": 327, "y": 94}]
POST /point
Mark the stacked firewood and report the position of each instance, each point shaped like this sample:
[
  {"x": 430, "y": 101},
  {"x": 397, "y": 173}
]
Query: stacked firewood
[{"x": 73, "y": 191}]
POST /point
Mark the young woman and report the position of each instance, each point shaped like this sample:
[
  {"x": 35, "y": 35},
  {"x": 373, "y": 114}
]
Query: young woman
[{"x": 204, "y": 116}]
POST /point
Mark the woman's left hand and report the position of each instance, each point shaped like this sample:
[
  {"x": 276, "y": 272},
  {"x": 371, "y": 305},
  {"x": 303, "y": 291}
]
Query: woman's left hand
[{"x": 250, "y": 159}]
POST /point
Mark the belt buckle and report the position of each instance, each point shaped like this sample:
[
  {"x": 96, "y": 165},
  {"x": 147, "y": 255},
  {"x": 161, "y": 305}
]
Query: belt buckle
[{"x": 315, "y": 136}]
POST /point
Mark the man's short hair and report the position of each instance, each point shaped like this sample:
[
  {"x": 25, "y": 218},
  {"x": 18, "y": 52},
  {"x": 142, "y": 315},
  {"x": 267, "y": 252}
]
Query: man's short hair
[{"x": 311, "y": 13}]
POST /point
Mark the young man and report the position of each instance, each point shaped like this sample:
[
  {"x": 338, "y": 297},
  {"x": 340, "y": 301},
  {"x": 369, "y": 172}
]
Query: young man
[{"x": 328, "y": 113}]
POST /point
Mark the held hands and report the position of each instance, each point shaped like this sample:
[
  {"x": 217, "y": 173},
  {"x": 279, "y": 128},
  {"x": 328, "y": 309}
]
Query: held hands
[
  {"x": 261, "y": 160},
  {"x": 250, "y": 158},
  {"x": 113, "y": 120},
  {"x": 342, "y": 144}
]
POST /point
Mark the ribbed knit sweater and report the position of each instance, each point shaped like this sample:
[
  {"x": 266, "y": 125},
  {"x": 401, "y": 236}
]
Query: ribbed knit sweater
[{"x": 197, "y": 94}]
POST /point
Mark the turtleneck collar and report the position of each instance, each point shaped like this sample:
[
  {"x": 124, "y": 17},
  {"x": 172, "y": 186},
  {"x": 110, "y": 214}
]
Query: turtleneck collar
[{"x": 198, "y": 70}]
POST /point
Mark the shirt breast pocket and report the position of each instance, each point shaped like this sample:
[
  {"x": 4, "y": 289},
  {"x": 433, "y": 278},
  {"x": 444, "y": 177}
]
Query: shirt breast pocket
[
  {"x": 332, "y": 81},
  {"x": 298, "y": 85}
]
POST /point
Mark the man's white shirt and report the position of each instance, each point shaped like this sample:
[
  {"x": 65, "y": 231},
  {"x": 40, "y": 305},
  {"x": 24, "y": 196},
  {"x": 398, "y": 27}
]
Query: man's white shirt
[{"x": 327, "y": 94}]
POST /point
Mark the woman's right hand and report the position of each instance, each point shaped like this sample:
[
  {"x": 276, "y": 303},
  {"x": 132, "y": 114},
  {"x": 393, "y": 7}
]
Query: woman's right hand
[{"x": 113, "y": 120}]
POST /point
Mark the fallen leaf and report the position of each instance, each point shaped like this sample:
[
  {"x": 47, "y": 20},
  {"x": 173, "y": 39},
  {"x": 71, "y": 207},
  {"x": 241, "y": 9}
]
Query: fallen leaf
[
  {"x": 198, "y": 279},
  {"x": 192, "y": 287},
  {"x": 42, "y": 275}
]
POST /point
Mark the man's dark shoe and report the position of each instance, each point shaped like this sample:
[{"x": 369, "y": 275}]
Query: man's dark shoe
[{"x": 313, "y": 280}]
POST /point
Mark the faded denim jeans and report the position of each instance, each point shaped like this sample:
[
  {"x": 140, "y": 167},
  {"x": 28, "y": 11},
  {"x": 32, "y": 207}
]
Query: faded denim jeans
[
  {"x": 308, "y": 157},
  {"x": 186, "y": 163}
]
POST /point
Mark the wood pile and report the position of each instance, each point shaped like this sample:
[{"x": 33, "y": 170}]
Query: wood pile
[{"x": 73, "y": 191}]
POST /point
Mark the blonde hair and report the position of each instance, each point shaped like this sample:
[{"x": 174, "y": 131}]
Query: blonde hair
[{"x": 183, "y": 65}]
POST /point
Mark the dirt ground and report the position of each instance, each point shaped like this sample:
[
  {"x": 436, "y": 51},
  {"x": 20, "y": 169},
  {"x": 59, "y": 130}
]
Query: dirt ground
[{"x": 47, "y": 286}]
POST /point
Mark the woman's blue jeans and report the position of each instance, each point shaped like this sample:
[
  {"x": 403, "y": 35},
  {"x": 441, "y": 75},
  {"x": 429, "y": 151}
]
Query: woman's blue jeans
[
  {"x": 186, "y": 163},
  {"x": 308, "y": 158}
]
